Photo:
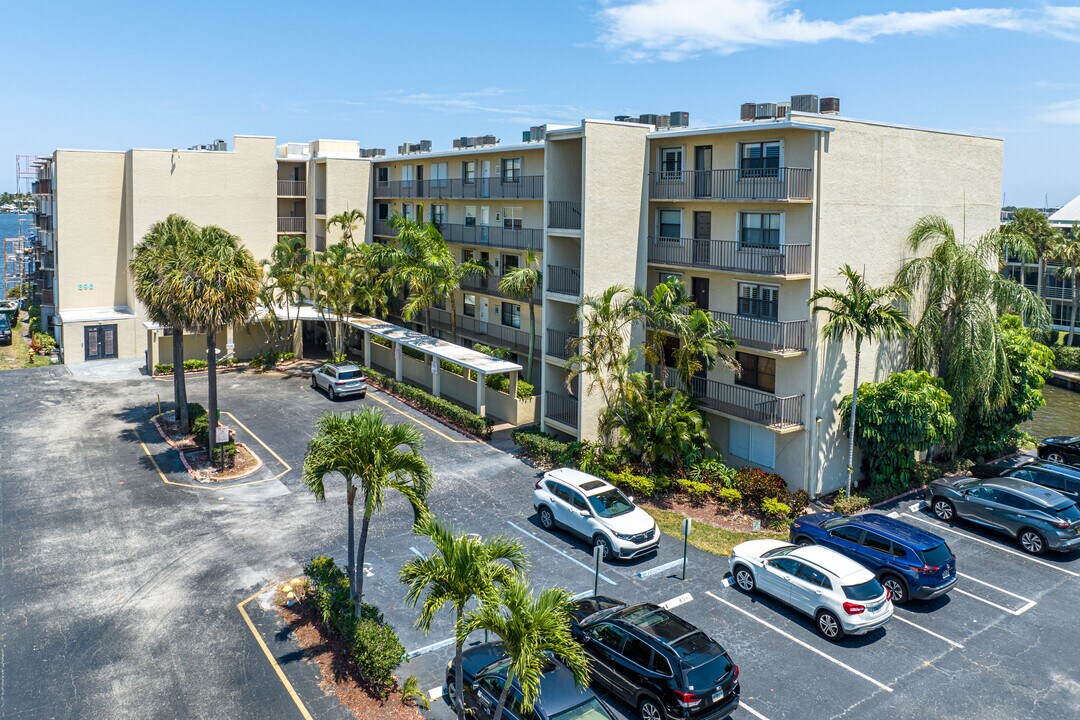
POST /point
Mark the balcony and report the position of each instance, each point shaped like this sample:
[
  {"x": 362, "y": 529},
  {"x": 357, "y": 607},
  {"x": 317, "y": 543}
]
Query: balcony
[
  {"x": 776, "y": 413},
  {"x": 564, "y": 214},
  {"x": 522, "y": 187},
  {"x": 291, "y": 225},
  {"x": 731, "y": 256},
  {"x": 494, "y": 236},
  {"x": 558, "y": 342},
  {"x": 489, "y": 285},
  {"x": 784, "y": 184},
  {"x": 561, "y": 408},
  {"x": 292, "y": 188},
  {"x": 486, "y": 332},
  {"x": 563, "y": 280},
  {"x": 764, "y": 334}
]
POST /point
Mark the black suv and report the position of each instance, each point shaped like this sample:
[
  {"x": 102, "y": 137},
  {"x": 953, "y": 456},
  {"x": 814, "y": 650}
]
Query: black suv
[
  {"x": 1054, "y": 475},
  {"x": 655, "y": 660},
  {"x": 5, "y": 331}
]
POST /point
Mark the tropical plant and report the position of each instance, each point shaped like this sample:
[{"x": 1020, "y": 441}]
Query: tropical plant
[
  {"x": 530, "y": 626},
  {"x": 521, "y": 283},
  {"x": 331, "y": 279},
  {"x": 664, "y": 311},
  {"x": 161, "y": 253},
  {"x": 285, "y": 282},
  {"x": 365, "y": 451},
  {"x": 1032, "y": 238},
  {"x": 959, "y": 297},
  {"x": 461, "y": 568},
  {"x": 1067, "y": 252},
  {"x": 348, "y": 222},
  {"x": 701, "y": 339},
  {"x": 860, "y": 311}
]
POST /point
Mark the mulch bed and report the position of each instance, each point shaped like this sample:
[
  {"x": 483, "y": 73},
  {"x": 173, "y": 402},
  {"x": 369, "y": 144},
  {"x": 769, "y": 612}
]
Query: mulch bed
[
  {"x": 340, "y": 675},
  {"x": 170, "y": 430},
  {"x": 709, "y": 512},
  {"x": 197, "y": 463}
]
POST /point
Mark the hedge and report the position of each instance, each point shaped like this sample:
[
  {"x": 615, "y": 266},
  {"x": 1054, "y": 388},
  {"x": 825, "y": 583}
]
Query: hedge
[
  {"x": 501, "y": 383},
  {"x": 190, "y": 365},
  {"x": 541, "y": 447},
  {"x": 1067, "y": 358},
  {"x": 440, "y": 408}
]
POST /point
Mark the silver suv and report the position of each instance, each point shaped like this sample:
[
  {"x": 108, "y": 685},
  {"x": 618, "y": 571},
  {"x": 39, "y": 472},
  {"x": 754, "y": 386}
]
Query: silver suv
[
  {"x": 339, "y": 380},
  {"x": 1039, "y": 518}
]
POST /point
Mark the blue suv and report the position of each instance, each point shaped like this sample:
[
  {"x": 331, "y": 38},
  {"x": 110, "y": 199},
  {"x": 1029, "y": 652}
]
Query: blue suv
[{"x": 909, "y": 562}]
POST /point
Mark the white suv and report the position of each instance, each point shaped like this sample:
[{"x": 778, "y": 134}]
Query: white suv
[
  {"x": 597, "y": 511},
  {"x": 841, "y": 595},
  {"x": 339, "y": 380}
]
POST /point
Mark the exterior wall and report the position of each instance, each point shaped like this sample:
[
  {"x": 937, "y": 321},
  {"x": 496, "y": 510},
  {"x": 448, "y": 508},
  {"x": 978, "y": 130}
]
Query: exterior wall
[
  {"x": 347, "y": 186},
  {"x": 73, "y": 339}
]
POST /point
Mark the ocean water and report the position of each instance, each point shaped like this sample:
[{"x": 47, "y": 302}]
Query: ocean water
[{"x": 9, "y": 228}]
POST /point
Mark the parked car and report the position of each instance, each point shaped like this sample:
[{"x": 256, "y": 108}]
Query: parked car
[
  {"x": 5, "y": 331},
  {"x": 339, "y": 379},
  {"x": 998, "y": 467},
  {"x": 842, "y": 596},
  {"x": 595, "y": 510},
  {"x": 484, "y": 677},
  {"x": 656, "y": 661},
  {"x": 1048, "y": 473},
  {"x": 1063, "y": 449},
  {"x": 1039, "y": 518},
  {"x": 909, "y": 562}
]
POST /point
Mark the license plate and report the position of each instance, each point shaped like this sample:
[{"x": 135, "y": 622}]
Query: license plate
[
  {"x": 718, "y": 695},
  {"x": 875, "y": 608}
]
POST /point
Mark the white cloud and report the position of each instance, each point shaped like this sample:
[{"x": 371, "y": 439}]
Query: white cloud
[
  {"x": 1061, "y": 113},
  {"x": 497, "y": 102},
  {"x": 673, "y": 30}
]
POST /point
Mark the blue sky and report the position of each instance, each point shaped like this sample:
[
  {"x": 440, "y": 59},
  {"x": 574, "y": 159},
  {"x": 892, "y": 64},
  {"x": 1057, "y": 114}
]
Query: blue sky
[{"x": 115, "y": 75}]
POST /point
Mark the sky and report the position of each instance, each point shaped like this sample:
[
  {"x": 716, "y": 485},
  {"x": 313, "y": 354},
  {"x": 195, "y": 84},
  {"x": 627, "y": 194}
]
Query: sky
[{"x": 117, "y": 75}]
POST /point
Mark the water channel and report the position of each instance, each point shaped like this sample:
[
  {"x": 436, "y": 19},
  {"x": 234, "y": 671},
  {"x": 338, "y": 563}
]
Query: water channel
[{"x": 1060, "y": 415}]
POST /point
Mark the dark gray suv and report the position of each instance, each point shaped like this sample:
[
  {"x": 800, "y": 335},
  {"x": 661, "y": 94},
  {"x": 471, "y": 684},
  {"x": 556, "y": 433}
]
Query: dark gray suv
[{"x": 1039, "y": 518}]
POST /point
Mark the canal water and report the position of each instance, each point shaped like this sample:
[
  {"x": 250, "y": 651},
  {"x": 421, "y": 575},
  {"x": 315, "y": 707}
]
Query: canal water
[{"x": 1060, "y": 415}]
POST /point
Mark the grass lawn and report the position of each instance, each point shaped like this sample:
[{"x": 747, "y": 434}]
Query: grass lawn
[
  {"x": 709, "y": 538},
  {"x": 17, "y": 354}
]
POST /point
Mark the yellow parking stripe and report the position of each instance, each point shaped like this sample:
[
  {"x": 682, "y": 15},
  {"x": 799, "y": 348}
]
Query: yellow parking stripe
[
  {"x": 435, "y": 430},
  {"x": 270, "y": 656}
]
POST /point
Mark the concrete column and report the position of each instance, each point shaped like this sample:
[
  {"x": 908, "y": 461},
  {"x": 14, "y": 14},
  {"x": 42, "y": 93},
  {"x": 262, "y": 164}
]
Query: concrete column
[
  {"x": 398, "y": 371},
  {"x": 367, "y": 349},
  {"x": 481, "y": 388},
  {"x": 513, "y": 383},
  {"x": 435, "y": 375}
]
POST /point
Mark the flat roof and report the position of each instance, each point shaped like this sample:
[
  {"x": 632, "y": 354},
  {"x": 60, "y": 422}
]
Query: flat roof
[
  {"x": 98, "y": 314},
  {"x": 538, "y": 145}
]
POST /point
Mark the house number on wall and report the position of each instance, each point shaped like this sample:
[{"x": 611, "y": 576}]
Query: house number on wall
[{"x": 86, "y": 286}]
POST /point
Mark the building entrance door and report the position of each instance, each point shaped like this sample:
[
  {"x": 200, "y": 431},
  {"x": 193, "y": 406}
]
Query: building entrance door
[{"x": 100, "y": 342}]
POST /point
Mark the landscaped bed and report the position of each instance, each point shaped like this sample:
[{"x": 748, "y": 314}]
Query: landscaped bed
[{"x": 239, "y": 460}]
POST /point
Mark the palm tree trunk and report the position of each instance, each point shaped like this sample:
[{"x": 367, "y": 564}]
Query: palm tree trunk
[
  {"x": 505, "y": 692},
  {"x": 851, "y": 423},
  {"x": 350, "y": 569},
  {"x": 1042, "y": 272},
  {"x": 453, "y": 317},
  {"x": 360, "y": 548},
  {"x": 211, "y": 389},
  {"x": 459, "y": 659},
  {"x": 532, "y": 337},
  {"x": 1072, "y": 318},
  {"x": 180, "y": 382}
]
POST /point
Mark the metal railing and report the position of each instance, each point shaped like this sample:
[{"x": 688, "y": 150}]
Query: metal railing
[
  {"x": 565, "y": 280},
  {"x": 765, "y": 334},
  {"x": 561, "y": 408},
  {"x": 292, "y": 188},
  {"x": 558, "y": 342},
  {"x": 564, "y": 214},
  {"x": 487, "y": 332},
  {"x": 748, "y": 404},
  {"x": 494, "y": 236},
  {"x": 291, "y": 225},
  {"x": 382, "y": 227},
  {"x": 320, "y": 206},
  {"x": 786, "y": 259},
  {"x": 489, "y": 285},
  {"x": 758, "y": 184},
  {"x": 522, "y": 187}
]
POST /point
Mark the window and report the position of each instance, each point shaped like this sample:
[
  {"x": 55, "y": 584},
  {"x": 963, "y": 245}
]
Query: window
[
  {"x": 847, "y": 532},
  {"x": 492, "y": 685},
  {"x": 983, "y": 493},
  {"x": 559, "y": 491},
  {"x": 383, "y": 174},
  {"x": 659, "y": 664},
  {"x": 789, "y": 565},
  {"x": 511, "y": 315},
  {"x": 608, "y": 635},
  {"x": 511, "y": 170},
  {"x": 636, "y": 651},
  {"x": 470, "y": 216},
  {"x": 509, "y": 262},
  {"x": 439, "y": 175},
  {"x": 468, "y": 171},
  {"x": 406, "y": 176},
  {"x": 578, "y": 501},
  {"x": 757, "y": 372},
  {"x": 760, "y": 301},
  {"x": 406, "y": 210},
  {"x": 875, "y": 542},
  {"x": 438, "y": 215},
  {"x": 760, "y": 159},
  {"x": 669, "y": 224},
  {"x": 752, "y": 442},
  {"x": 467, "y": 255},
  {"x": 512, "y": 218},
  {"x": 671, "y": 163},
  {"x": 666, "y": 276},
  {"x": 469, "y": 305},
  {"x": 759, "y": 229},
  {"x": 812, "y": 576},
  {"x": 382, "y": 212}
]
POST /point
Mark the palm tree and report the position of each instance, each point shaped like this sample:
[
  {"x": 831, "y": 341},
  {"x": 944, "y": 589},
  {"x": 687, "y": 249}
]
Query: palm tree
[
  {"x": 960, "y": 297},
  {"x": 530, "y": 626},
  {"x": 284, "y": 270},
  {"x": 332, "y": 279},
  {"x": 347, "y": 221},
  {"x": 365, "y": 450},
  {"x": 1034, "y": 238},
  {"x": 158, "y": 254},
  {"x": 461, "y": 568},
  {"x": 702, "y": 338},
  {"x": 521, "y": 283},
  {"x": 1067, "y": 252},
  {"x": 601, "y": 352},
  {"x": 218, "y": 281},
  {"x": 860, "y": 311},
  {"x": 664, "y": 311}
]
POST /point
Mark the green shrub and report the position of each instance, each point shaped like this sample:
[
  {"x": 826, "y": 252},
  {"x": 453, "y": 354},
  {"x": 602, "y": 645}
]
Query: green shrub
[
  {"x": 34, "y": 325},
  {"x": 412, "y": 352},
  {"x": 712, "y": 471},
  {"x": 440, "y": 408},
  {"x": 163, "y": 369},
  {"x": 631, "y": 483},
  {"x": 452, "y": 368},
  {"x": 729, "y": 496},
  {"x": 194, "y": 364},
  {"x": 798, "y": 501},
  {"x": 493, "y": 350},
  {"x": 227, "y": 361},
  {"x": 381, "y": 341},
  {"x": 849, "y": 505},
  {"x": 776, "y": 512},
  {"x": 540, "y": 446},
  {"x": 200, "y": 428},
  {"x": 756, "y": 485},
  {"x": 377, "y": 651},
  {"x": 696, "y": 491},
  {"x": 1067, "y": 358},
  {"x": 599, "y": 459},
  {"x": 501, "y": 383}
]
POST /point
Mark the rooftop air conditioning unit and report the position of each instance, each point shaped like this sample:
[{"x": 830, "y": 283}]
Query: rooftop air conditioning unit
[
  {"x": 649, "y": 119},
  {"x": 680, "y": 119},
  {"x": 804, "y": 103},
  {"x": 830, "y": 106},
  {"x": 372, "y": 152},
  {"x": 764, "y": 111},
  {"x": 747, "y": 111},
  {"x": 625, "y": 118},
  {"x": 663, "y": 122},
  {"x": 782, "y": 110}
]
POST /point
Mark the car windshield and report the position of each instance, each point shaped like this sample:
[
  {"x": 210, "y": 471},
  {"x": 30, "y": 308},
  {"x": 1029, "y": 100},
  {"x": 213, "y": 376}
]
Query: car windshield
[
  {"x": 610, "y": 503},
  {"x": 864, "y": 591},
  {"x": 348, "y": 374},
  {"x": 591, "y": 709},
  {"x": 778, "y": 552},
  {"x": 936, "y": 556},
  {"x": 4, "y": 323},
  {"x": 1068, "y": 512}
]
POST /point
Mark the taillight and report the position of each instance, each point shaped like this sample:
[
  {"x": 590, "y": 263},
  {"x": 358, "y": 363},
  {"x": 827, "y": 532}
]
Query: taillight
[
  {"x": 537, "y": 486},
  {"x": 888, "y": 594},
  {"x": 854, "y": 608},
  {"x": 735, "y": 677},
  {"x": 925, "y": 569},
  {"x": 1061, "y": 524},
  {"x": 687, "y": 700}
]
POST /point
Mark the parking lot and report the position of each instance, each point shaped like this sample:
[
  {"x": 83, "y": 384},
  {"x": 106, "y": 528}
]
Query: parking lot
[{"x": 1000, "y": 644}]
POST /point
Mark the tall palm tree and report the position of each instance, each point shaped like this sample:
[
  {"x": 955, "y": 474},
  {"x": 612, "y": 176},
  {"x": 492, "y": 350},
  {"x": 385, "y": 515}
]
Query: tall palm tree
[
  {"x": 160, "y": 253},
  {"x": 1035, "y": 237},
  {"x": 284, "y": 271},
  {"x": 218, "y": 281},
  {"x": 1067, "y": 252},
  {"x": 529, "y": 626},
  {"x": 702, "y": 338},
  {"x": 664, "y": 311},
  {"x": 960, "y": 297},
  {"x": 366, "y": 451},
  {"x": 601, "y": 352},
  {"x": 860, "y": 311},
  {"x": 348, "y": 222},
  {"x": 332, "y": 279},
  {"x": 521, "y": 283},
  {"x": 461, "y": 568}
]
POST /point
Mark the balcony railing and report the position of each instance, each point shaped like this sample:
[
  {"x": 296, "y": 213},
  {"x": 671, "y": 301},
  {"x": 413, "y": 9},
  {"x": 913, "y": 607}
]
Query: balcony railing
[
  {"x": 292, "y": 188},
  {"x": 731, "y": 256},
  {"x": 320, "y": 206},
  {"x": 558, "y": 342},
  {"x": 494, "y": 236},
  {"x": 758, "y": 184},
  {"x": 565, "y": 280},
  {"x": 489, "y": 285},
  {"x": 564, "y": 214},
  {"x": 522, "y": 187},
  {"x": 765, "y": 334},
  {"x": 561, "y": 408},
  {"x": 753, "y": 405},
  {"x": 487, "y": 332},
  {"x": 291, "y": 225}
]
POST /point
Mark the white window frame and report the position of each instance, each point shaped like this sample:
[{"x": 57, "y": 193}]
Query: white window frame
[
  {"x": 511, "y": 215},
  {"x": 502, "y": 261},
  {"x": 682, "y": 225},
  {"x": 466, "y": 178},
  {"x": 671, "y": 175},
  {"x": 518, "y": 174},
  {"x": 470, "y": 215},
  {"x": 502, "y": 314},
  {"x": 465, "y": 297},
  {"x": 759, "y": 287},
  {"x": 440, "y": 175},
  {"x": 443, "y": 215},
  {"x": 407, "y": 210},
  {"x": 738, "y": 227},
  {"x": 406, "y": 175},
  {"x": 662, "y": 276},
  {"x": 739, "y": 148}
]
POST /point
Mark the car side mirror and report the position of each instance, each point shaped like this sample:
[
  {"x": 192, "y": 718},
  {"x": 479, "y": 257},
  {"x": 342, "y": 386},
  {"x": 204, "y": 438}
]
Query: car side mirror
[
  {"x": 585, "y": 513},
  {"x": 630, "y": 498},
  {"x": 474, "y": 687}
]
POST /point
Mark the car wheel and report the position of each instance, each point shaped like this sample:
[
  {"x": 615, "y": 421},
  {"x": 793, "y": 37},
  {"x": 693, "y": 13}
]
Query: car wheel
[
  {"x": 314, "y": 384},
  {"x": 897, "y": 589},
  {"x": 547, "y": 519},
  {"x": 363, "y": 395},
  {"x": 1056, "y": 457},
  {"x": 605, "y": 546},
  {"x": 451, "y": 691},
  {"x": 333, "y": 393},
  {"x": 744, "y": 578},
  {"x": 944, "y": 510},
  {"x": 650, "y": 709},
  {"x": 829, "y": 625},
  {"x": 803, "y": 541},
  {"x": 1032, "y": 542}
]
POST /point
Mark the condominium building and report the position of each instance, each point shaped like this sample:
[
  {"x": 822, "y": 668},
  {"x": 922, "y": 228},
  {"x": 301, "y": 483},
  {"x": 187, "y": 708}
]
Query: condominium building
[{"x": 752, "y": 216}]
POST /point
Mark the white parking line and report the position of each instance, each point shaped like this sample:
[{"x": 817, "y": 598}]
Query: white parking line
[
  {"x": 416, "y": 552},
  {"x": 995, "y": 587},
  {"x": 1030, "y": 604},
  {"x": 603, "y": 577},
  {"x": 928, "y": 632},
  {"x": 752, "y": 711},
  {"x": 430, "y": 648},
  {"x": 996, "y": 546},
  {"x": 799, "y": 642}
]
